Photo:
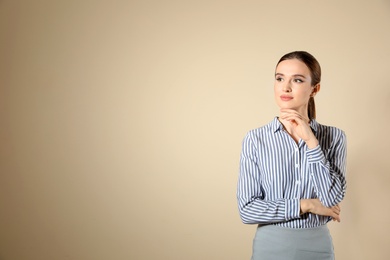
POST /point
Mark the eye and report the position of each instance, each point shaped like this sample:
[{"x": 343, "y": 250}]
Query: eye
[
  {"x": 298, "y": 80},
  {"x": 280, "y": 79}
]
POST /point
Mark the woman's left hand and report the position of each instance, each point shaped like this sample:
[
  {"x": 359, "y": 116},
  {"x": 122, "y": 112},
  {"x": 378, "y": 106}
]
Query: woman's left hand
[{"x": 300, "y": 126}]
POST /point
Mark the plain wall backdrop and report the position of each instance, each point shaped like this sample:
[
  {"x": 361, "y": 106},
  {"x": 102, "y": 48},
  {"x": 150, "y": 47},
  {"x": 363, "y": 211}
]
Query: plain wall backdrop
[{"x": 121, "y": 122}]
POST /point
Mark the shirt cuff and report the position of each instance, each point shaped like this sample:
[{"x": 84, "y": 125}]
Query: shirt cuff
[
  {"x": 293, "y": 209},
  {"x": 315, "y": 155}
]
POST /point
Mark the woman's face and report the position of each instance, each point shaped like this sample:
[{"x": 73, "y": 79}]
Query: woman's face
[{"x": 293, "y": 85}]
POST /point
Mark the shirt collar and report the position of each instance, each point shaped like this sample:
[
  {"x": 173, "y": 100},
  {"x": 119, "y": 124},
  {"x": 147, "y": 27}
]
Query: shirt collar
[
  {"x": 277, "y": 126},
  {"x": 314, "y": 125}
]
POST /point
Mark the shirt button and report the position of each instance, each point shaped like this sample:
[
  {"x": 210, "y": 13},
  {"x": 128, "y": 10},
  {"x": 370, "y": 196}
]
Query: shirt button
[
  {"x": 297, "y": 182},
  {"x": 296, "y": 165}
]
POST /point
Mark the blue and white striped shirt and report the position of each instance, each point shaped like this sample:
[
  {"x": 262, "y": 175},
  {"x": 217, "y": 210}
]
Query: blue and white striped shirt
[{"x": 276, "y": 172}]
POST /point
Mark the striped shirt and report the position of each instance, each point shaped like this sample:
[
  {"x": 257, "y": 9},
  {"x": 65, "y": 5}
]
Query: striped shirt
[{"x": 276, "y": 172}]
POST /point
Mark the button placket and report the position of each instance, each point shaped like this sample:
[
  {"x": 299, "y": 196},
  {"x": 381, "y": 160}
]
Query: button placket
[{"x": 297, "y": 172}]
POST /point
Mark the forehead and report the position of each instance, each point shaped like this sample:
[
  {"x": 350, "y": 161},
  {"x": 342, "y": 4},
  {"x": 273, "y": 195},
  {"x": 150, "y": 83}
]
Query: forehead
[{"x": 292, "y": 67}]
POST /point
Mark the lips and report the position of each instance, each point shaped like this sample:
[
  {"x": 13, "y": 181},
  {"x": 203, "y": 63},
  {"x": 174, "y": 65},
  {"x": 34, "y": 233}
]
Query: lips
[{"x": 285, "y": 98}]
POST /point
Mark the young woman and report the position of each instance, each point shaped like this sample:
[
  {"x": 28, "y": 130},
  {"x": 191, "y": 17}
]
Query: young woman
[{"x": 292, "y": 170}]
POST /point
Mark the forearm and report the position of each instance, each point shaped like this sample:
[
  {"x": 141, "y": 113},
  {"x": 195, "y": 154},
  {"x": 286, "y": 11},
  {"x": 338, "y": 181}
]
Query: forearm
[
  {"x": 330, "y": 187},
  {"x": 262, "y": 212},
  {"x": 328, "y": 179}
]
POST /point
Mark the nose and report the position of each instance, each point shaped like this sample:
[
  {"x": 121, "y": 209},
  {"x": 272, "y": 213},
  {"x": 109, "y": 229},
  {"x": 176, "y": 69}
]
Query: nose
[{"x": 286, "y": 87}]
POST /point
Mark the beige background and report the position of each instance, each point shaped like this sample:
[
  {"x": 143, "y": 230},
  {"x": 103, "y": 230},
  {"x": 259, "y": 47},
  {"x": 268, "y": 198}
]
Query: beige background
[{"x": 122, "y": 121}]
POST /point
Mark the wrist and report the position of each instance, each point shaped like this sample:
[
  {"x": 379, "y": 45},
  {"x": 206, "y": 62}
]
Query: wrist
[
  {"x": 312, "y": 143},
  {"x": 305, "y": 206}
]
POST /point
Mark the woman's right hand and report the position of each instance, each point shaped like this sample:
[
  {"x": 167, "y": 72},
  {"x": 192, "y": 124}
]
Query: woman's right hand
[{"x": 315, "y": 206}]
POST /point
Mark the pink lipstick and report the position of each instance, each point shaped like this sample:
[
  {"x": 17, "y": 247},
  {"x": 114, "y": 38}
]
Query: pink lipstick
[{"x": 285, "y": 98}]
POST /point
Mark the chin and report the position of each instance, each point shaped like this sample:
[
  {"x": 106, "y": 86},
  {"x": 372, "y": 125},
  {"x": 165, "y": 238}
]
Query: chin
[{"x": 284, "y": 105}]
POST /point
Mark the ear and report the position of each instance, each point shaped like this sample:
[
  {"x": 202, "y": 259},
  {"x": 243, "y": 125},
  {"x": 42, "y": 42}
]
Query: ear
[{"x": 316, "y": 89}]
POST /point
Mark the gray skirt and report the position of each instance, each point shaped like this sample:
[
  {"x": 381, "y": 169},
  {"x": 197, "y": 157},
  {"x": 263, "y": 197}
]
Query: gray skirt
[{"x": 275, "y": 243}]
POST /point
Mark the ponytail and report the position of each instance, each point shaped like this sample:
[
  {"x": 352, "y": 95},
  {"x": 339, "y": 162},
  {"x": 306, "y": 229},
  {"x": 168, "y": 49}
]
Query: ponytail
[{"x": 311, "y": 109}]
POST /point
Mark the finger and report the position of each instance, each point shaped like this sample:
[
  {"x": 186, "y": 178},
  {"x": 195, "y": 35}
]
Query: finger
[
  {"x": 336, "y": 217},
  {"x": 333, "y": 214},
  {"x": 292, "y": 118},
  {"x": 336, "y": 210},
  {"x": 298, "y": 118}
]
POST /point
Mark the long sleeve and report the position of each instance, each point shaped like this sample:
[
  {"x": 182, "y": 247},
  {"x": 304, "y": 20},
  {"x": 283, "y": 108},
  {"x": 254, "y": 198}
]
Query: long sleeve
[
  {"x": 327, "y": 170},
  {"x": 276, "y": 172},
  {"x": 254, "y": 206}
]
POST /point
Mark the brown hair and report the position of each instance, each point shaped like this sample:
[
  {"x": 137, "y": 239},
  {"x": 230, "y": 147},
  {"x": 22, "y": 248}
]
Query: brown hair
[{"x": 315, "y": 73}]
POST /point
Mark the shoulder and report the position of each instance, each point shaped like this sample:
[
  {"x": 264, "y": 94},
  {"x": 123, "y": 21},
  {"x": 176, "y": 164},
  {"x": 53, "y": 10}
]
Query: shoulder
[
  {"x": 255, "y": 138},
  {"x": 330, "y": 130},
  {"x": 262, "y": 131},
  {"x": 330, "y": 134}
]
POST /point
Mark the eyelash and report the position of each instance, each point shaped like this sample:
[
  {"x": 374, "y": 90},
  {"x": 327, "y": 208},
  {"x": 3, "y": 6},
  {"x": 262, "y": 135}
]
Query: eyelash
[{"x": 295, "y": 80}]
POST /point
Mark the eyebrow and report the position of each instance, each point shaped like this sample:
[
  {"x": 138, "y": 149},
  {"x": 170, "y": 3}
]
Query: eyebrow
[{"x": 295, "y": 75}]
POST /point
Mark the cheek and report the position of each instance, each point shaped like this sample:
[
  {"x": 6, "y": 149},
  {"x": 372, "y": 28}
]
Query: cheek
[
  {"x": 276, "y": 88},
  {"x": 306, "y": 92},
  {"x": 309, "y": 92}
]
